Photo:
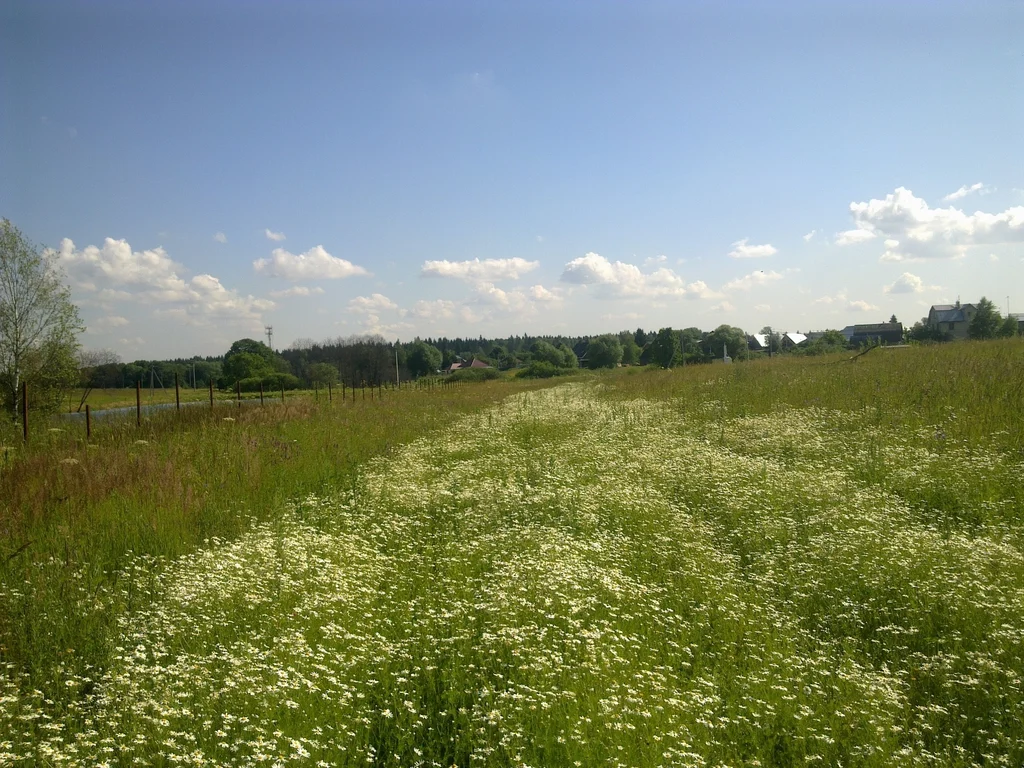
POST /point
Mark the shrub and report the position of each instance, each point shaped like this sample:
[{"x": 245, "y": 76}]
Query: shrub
[
  {"x": 542, "y": 369},
  {"x": 475, "y": 374}
]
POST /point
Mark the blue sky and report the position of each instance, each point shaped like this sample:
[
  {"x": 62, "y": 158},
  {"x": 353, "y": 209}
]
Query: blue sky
[{"x": 469, "y": 168}]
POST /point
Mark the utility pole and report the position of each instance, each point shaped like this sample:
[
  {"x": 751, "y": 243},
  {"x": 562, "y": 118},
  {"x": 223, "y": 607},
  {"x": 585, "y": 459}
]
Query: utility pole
[
  {"x": 398, "y": 381},
  {"x": 269, "y": 330}
]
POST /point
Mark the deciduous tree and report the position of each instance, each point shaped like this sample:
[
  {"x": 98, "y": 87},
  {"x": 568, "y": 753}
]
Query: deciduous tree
[
  {"x": 38, "y": 324},
  {"x": 604, "y": 352},
  {"x": 422, "y": 358},
  {"x": 630, "y": 350},
  {"x": 323, "y": 373},
  {"x": 986, "y": 321},
  {"x": 664, "y": 347},
  {"x": 727, "y": 337},
  {"x": 1009, "y": 326}
]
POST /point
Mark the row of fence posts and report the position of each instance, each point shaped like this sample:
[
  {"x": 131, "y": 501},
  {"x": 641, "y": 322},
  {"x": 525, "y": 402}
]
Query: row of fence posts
[{"x": 429, "y": 385}]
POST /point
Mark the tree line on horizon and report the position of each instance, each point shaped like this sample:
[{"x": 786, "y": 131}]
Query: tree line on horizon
[
  {"x": 371, "y": 359},
  {"x": 39, "y": 329}
]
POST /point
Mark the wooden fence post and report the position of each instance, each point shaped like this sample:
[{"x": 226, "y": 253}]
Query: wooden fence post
[
  {"x": 238, "y": 392},
  {"x": 282, "y": 392},
  {"x": 211, "y": 394},
  {"x": 330, "y": 394},
  {"x": 24, "y": 411},
  {"x": 177, "y": 392},
  {"x": 261, "y": 393},
  {"x": 88, "y": 422},
  {"x": 138, "y": 403}
]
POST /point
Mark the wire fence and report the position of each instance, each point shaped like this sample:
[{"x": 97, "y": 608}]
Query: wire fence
[{"x": 344, "y": 393}]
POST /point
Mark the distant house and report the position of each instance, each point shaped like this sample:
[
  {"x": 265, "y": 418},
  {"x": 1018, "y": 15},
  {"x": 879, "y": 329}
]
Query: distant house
[
  {"x": 872, "y": 333},
  {"x": 954, "y": 319},
  {"x": 757, "y": 342},
  {"x": 474, "y": 363},
  {"x": 1019, "y": 317},
  {"x": 791, "y": 340}
]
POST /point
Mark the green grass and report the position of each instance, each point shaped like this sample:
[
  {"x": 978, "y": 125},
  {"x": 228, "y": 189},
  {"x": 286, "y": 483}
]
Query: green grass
[
  {"x": 777, "y": 563},
  {"x": 75, "y": 513},
  {"x": 103, "y": 399}
]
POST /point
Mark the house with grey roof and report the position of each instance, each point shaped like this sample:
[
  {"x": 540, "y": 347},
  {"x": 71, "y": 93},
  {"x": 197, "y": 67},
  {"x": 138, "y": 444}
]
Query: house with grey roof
[
  {"x": 952, "y": 319},
  {"x": 876, "y": 333}
]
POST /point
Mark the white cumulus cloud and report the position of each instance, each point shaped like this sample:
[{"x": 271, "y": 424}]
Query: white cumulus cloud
[
  {"x": 220, "y": 237},
  {"x": 914, "y": 231},
  {"x": 909, "y": 283},
  {"x": 116, "y": 264},
  {"x": 374, "y": 303},
  {"x": 114, "y": 272},
  {"x": 486, "y": 270},
  {"x": 620, "y": 279},
  {"x": 275, "y": 236},
  {"x": 965, "y": 190},
  {"x": 540, "y": 293},
  {"x": 314, "y": 264},
  {"x": 854, "y": 236},
  {"x": 741, "y": 250}
]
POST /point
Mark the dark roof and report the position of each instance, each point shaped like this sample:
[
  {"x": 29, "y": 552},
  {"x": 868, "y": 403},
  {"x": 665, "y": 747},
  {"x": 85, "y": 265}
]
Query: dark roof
[
  {"x": 478, "y": 364},
  {"x": 948, "y": 313},
  {"x": 878, "y": 328}
]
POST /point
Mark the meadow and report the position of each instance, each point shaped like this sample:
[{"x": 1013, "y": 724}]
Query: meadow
[{"x": 774, "y": 563}]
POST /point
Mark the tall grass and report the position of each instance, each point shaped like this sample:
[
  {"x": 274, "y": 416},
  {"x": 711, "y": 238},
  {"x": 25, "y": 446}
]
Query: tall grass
[
  {"x": 902, "y": 387},
  {"x": 782, "y": 563},
  {"x": 74, "y": 514}
]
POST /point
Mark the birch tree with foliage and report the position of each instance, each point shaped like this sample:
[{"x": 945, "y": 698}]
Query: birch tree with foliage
[{"x": 38, "y": 324}]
